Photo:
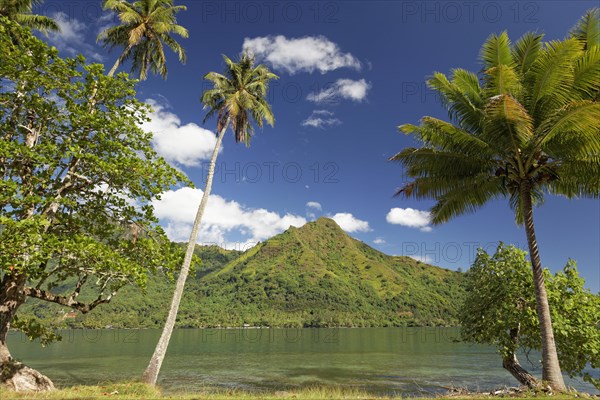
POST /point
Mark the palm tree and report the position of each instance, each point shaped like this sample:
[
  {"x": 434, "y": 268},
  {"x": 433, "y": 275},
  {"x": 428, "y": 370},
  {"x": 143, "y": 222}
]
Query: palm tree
[
  {"x": 527, "y": 126},
  {"x": 146, "y": 25},
  {"x": 236, "y": 98},
  {"x": 21, "y": 11}
]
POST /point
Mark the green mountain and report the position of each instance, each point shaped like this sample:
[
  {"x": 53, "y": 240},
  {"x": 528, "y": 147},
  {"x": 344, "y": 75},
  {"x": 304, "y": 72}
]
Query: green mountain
[{"x": 315, "y": 275}]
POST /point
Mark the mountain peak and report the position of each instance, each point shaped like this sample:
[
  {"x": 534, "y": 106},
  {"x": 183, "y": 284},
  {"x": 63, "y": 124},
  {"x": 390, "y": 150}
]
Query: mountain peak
[
  {"x": 327, "y": 222},
  {"x": 321, "y": 226},
  {"x": 322, "y": 222}
]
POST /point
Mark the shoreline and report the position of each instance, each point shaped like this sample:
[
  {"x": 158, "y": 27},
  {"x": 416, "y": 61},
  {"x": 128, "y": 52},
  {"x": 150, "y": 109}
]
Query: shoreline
[
  {"x": 136, "y": 390},
  {"x": 108, "y": 328}
]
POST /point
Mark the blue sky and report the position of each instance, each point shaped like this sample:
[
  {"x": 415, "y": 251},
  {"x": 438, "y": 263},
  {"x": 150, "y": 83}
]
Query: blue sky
[{"x": 350, "y": 73}]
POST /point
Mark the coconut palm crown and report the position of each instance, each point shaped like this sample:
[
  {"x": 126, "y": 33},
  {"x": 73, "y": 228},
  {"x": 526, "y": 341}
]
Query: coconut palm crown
[
  {"x": 21, "y": 11},
  {"x": 239, "y": 96},
  {"x": 526, "y": 126},
  {"x": 146, "y": 27}
]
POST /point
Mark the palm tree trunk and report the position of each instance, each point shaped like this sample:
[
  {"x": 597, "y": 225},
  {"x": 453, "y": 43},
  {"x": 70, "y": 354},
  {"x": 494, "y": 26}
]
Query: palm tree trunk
[
  {"x": 151, "y": 374},
  {"x": 114, "y": 68},
  {"x": 550, "y": 366},
  {"x": 117, "y": 63}
]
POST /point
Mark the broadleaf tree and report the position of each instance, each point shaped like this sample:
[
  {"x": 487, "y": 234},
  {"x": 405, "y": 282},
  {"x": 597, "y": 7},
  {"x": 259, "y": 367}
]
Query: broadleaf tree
[
  {"x": 499, "y": 310},
  {"x": 526, "y": 126},
  {"x": 78, "y": 179}
]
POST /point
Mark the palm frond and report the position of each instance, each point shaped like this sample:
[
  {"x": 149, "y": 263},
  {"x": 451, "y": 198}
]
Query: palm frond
[
  {"x": 553, "y": 72},
  {"x": 176, "y": 47},
  {"x": 21, "y": 12},
  {"x": 39, "y": 22},
  {"x": 427, "y": 163},
  {"x": 496, "y": 51},
  {"x": 466, "y": 199},
  {"x": 587, "y": 29},
  {"x": 507, "y": 124},
  {"x": 502, "y": 80},
  {"x": 572, "y": 131},
  {"x": 578, "y": 178},
  {"x": 580, "y": 118},
  {"x": 461, "y": 107},
  {"x": 526, "y": 50},
  {"x": 444, "y": 136},
  {"x": 586, "y": 76},
  {"x": 468, "y": 83}
]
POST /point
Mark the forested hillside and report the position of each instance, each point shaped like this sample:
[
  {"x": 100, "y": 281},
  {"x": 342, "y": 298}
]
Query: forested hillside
[{"x": 315, "y": 275}]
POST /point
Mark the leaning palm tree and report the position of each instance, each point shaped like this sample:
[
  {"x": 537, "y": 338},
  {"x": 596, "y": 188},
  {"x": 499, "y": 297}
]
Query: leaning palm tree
[
  {"x": 146, "y": 26},
  {"x": 236, "y": 98},
  {"x": 21, "y": 11},
  {"x": 527, "y": 126}
]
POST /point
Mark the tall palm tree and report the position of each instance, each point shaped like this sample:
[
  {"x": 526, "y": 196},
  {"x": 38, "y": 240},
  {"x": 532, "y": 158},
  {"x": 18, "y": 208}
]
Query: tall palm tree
[
  {"x": 527, "y": 126},
  {"x": 21, "y": 11},
  {"x": 236, "y": 98},
  {"x": 146, "y": 26}
]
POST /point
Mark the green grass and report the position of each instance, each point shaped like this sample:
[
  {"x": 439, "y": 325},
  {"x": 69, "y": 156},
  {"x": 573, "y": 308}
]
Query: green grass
[{"x": 134, "y": 390}]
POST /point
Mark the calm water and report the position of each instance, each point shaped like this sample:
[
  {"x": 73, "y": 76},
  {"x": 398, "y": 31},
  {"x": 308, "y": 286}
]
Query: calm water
[{"x": 383, "y": 360}]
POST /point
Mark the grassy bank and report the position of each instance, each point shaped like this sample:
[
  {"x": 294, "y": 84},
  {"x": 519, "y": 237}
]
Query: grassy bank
[{"x": 142, "y": 391}]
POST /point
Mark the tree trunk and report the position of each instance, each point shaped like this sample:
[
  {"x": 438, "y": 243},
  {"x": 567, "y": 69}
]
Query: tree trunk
[
  {"x": 14, "y": 374},
  {"x": 550, "y": 366},
  {"x": 512, "y": 365},
  {"x": 11, "y": 298},
  {"x": 151, "y": 374}
]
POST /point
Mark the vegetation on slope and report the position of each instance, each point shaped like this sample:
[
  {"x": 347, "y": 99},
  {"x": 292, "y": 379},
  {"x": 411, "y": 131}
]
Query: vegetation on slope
[
  {"x": 314, "y": 276},
  {"x": 319, "y": 276}
]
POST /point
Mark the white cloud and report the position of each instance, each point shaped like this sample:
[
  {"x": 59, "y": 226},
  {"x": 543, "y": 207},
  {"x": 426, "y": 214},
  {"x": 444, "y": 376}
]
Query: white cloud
[
  {"x": 422, "y": 258},
  {"x": 323, "y": 112},
  {"x": 316, "y": 121},
  {"x": 347, "y": 89},
  {"x": 410, "y": 217},
  {"x": 349, "y": 223},
  {"x": 312, "y": 208},
  {"x": 305, "y": 54},
  {"x": 177, "y": 209},
  {"x": 320, "y": 122},
  {"x": 379, "y": 241},
  {"x": 106, "y": 20},
  {"x": 179, "y": 144},
  {"x": 315, "y": 205},
  {"x": 72, "y": 38}
]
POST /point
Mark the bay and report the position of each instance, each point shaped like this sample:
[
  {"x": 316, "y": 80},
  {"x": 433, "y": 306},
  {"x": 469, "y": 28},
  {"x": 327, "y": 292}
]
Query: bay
[{"x": 407, "y": 361}]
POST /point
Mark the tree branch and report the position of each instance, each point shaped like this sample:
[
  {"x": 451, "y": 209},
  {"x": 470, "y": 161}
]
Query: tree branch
[
  {"x": 80, "y": 283},
  {"x": 66, "y": 301}
]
